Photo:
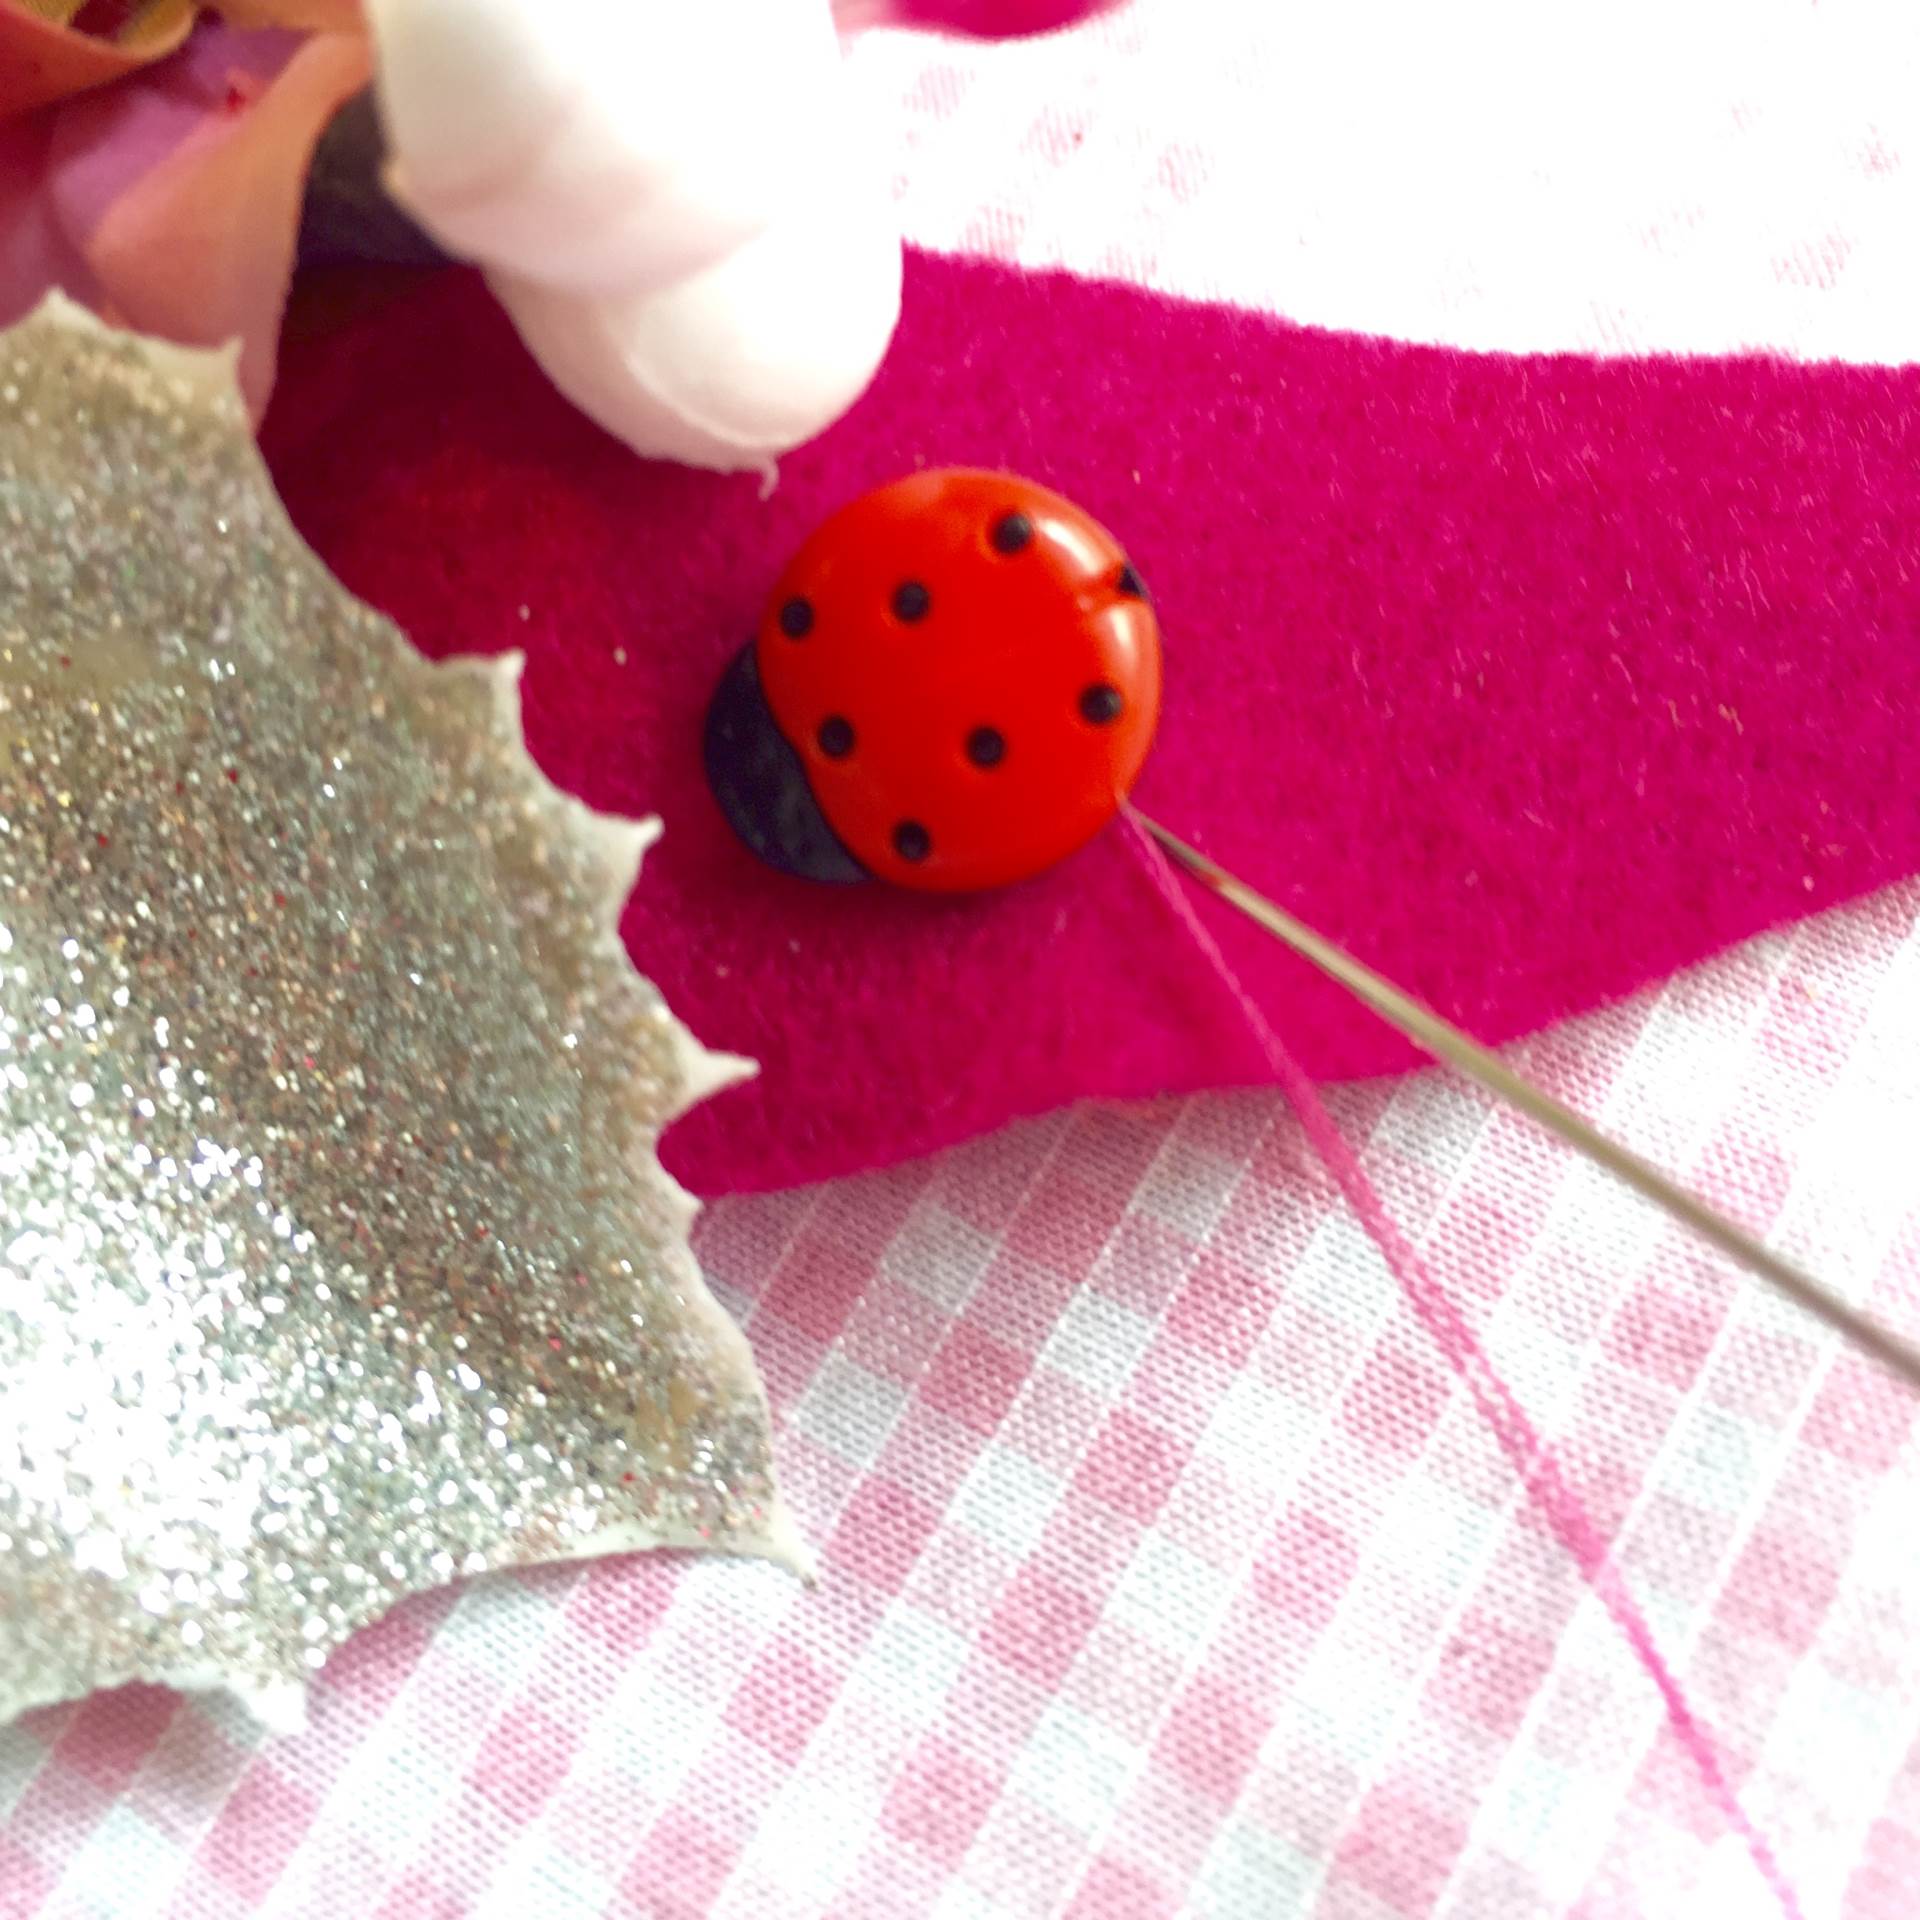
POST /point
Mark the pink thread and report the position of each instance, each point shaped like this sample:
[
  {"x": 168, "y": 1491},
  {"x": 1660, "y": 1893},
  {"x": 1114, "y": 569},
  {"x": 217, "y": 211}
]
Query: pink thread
[{"x": 1559, "y": 1504}]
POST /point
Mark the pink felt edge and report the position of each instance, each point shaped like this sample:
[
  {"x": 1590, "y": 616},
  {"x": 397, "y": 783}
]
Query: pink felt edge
[{"x": 1533, "y": 680}]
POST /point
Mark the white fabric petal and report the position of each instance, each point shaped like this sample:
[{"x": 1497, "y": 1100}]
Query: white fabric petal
[
  {"x": 607, "y": 144},
  {"x": 731, "y": 367}
]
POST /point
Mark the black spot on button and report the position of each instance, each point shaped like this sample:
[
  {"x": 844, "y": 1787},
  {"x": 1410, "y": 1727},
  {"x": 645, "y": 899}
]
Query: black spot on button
[
  {"x": 835, "y": 737},
  {"x": 1012, "y": 533},
  {"x": 1130, "y": 583},
  {"x": 911, "y": 841},
  {"x": 796, "y": 618},
  {"x": 1101, "y": 706},
  {"x": 986, "y": 746},
  {"x": 911, "y": 600}
]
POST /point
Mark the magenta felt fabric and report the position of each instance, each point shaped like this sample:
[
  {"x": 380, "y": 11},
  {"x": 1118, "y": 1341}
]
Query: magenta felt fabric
[{"x": 1532, "y": 680}]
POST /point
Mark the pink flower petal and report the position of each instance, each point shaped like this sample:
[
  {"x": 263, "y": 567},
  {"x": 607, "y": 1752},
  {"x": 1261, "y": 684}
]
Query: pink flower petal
[
  {"x": 103, "y": 144},
  {"x": 183, "y": 193},
  {"x": 35, "y": 253},
  {"x": 41, "y": 62}
]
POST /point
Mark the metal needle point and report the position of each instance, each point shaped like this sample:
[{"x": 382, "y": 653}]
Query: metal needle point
[{"x": 1487, "y": 1069}]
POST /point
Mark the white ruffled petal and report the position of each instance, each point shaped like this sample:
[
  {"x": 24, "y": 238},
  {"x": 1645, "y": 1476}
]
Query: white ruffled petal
[
  {"x": 601, "y": 144},
  {"x": 737, "y": 364}
]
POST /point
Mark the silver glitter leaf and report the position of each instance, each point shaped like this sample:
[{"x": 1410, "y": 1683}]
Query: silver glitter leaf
[{"x": 335, "y": 1258}]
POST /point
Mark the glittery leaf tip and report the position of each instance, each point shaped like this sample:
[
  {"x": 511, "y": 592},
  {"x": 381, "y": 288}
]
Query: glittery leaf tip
[{"x": 336, "y": 1260}]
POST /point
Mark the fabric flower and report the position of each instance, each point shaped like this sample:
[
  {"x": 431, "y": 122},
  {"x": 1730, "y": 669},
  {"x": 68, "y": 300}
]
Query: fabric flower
[
  {"x": 165, "y": 192},
  {"x": 668, "y": 195}
]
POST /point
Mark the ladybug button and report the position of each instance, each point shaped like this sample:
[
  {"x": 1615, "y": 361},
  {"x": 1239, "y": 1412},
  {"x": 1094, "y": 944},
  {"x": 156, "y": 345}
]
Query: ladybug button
[{"x": 954, "y": 687}]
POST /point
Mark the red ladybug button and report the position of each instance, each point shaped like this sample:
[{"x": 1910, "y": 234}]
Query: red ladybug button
[{"x": 954, "y": 687}]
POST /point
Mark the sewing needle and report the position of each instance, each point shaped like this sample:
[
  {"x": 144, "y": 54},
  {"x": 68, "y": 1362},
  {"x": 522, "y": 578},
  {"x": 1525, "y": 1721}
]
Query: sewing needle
[{"x": 1486, "y": 1069}]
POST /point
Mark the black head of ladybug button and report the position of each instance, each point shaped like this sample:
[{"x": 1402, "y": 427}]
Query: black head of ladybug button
[{"x": 954, "y": 687}]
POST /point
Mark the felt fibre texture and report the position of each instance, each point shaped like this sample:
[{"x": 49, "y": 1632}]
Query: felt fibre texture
[{"x": 1528, "y": 679}]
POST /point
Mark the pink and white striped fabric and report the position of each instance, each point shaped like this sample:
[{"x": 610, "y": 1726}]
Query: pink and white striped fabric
[{"x": 1175, "y": 1557}]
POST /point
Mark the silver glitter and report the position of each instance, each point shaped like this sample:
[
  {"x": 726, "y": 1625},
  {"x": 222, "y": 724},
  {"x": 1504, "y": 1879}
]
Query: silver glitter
[{"x": 335, "y": 1260}]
